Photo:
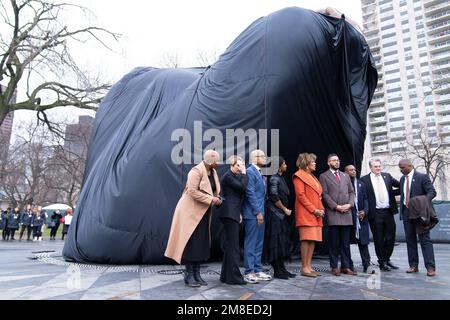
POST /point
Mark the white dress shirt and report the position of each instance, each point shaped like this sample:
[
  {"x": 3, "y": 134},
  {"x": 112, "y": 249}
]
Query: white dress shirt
[
  {"x": 410, "y": 175},
  {"x": 380, "y": 204}
]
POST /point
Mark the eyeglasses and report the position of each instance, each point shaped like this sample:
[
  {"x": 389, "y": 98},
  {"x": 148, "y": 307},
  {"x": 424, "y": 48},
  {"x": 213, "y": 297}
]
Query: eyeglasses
[{"x": 262, "y": 156}]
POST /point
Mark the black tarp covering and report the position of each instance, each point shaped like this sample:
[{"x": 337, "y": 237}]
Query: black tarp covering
[{"x": 309, "y": 75}]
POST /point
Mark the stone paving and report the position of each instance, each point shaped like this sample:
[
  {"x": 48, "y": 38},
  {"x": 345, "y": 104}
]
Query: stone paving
[{"x": 35, "y": 271}]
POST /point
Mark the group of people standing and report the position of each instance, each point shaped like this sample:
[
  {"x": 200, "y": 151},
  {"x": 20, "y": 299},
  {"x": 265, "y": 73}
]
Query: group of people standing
[
  {"x": 32, "y": 220},
  {"x": 351, "y": 206}
]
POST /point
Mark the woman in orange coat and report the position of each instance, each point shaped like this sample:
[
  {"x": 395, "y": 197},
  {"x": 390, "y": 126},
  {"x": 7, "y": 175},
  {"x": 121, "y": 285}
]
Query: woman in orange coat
[{"x": 308, "y": 209}]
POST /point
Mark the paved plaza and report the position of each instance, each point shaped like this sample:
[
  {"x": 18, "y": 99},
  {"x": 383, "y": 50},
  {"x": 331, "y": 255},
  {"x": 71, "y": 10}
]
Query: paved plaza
[{"x": 37, "y": 271}]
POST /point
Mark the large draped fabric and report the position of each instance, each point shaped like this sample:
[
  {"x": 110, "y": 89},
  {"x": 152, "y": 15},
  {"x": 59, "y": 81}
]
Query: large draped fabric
[{"x": 309, "y": 75}]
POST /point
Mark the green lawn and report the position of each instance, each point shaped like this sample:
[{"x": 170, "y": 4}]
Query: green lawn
[{"x": 46, "y": 233}]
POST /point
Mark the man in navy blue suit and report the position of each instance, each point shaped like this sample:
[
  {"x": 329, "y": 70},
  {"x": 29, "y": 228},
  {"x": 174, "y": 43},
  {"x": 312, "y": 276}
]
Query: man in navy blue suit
[
  {"x": 360, "y": 215},
  {"x": 414, "y": 184},
  {"x": 253, "y": 216}
]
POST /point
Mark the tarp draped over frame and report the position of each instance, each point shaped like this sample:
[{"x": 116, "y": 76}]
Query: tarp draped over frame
[{"x": 310, "y": 76}]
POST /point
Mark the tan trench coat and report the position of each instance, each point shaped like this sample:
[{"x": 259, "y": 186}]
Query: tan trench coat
[{"x": 193, "y": 204}]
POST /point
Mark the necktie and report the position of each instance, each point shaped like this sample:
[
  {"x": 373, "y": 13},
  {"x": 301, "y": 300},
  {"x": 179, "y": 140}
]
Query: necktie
[
  {"x": 380, "y": 188},
  {"x": 336, "y": 174},
  {"x": 407, "y": 191}
]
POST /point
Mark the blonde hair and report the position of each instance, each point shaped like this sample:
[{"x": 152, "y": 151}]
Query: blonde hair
[
  {"x": 234, "y": 159},
  {"x": 304, "y": 159}
]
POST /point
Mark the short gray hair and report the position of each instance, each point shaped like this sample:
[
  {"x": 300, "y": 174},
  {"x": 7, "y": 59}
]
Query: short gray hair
[
  {"x": 211, "y": 156},
  {"x": 371, "y": 161}
]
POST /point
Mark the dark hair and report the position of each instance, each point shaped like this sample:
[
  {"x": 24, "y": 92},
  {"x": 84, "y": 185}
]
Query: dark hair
[
  {"x": 331, "y": 155},
  {"x": 281, "y": 160}
]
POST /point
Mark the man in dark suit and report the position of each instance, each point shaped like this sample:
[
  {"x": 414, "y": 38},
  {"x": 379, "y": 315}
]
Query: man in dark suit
[
  {"x": 338, "y": 199},
  {"x": 381, "y": 189},
  {"x": 360, "y": 231},
  {"x": 234, "y": 183},
  {"x": 253, "y": 209},
  {"x": 413, "y": 184}
]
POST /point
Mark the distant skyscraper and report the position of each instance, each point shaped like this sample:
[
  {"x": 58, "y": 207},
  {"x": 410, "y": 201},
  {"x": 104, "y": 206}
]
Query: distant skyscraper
[
  {"x": 77, "y": 135},
  {"x": 410, "y": 42}
]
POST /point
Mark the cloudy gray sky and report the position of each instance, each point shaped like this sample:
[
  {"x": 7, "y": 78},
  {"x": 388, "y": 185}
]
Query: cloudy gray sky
[{"x": 152, "y": 29}]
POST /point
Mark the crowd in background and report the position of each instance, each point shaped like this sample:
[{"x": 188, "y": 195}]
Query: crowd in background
[{"x": 31, "y": 221}]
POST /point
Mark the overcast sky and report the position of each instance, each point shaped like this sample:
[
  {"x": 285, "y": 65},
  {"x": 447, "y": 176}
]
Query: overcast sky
[{"x": 152, "y": 29}]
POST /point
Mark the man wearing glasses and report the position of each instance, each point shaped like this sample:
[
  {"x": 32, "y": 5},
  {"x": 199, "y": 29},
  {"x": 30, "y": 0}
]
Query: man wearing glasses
[{"x": 253, "y": 216}]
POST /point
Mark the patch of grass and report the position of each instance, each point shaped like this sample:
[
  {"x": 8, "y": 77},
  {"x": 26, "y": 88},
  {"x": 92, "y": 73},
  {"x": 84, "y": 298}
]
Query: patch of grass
[{"x": 46, "y": 233}]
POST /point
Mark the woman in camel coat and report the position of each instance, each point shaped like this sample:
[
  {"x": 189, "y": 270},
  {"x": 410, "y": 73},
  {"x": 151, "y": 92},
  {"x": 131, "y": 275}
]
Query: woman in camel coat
[
  {"x": 308, "y": 209},
  {"x": 190, "y": 233}
]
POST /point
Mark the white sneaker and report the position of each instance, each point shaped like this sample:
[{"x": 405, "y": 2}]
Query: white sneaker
[
  {"x": 250, "y": 278},
  {"x": 263, "y": 276}
]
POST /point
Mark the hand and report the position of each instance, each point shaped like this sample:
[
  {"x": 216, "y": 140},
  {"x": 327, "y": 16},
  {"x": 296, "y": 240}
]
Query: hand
[
  {"x": 216, "y": 201},
  {"x": 361, "y": 215},
  {"x": 287, "y": 211},
  {"x": 318, "y": 213},
  {"x": 260, "y": 218}
]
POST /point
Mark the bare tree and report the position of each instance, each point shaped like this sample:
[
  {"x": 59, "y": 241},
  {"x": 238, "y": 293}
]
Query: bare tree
[
  {"x": 206, "y": 59},
  {"x": 35, "y": 48},
  {"x": 170, "y": 60},
  {"x": 25, "y": 167},
  {"x": 427, "y": 152},
  {"x": 42, "y": 168},
  {"x": 66, "y": 166}
]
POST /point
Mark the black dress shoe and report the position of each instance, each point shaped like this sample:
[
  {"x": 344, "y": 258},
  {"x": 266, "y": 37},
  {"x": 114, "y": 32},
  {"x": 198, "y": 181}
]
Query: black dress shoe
[
  {"x": 384, "y": 267},
  {"x": 391, "y": 265}
]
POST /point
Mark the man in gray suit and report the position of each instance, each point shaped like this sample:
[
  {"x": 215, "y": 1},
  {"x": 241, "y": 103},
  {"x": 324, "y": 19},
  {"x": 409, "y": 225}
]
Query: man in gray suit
[{"x": 338, "y": 198}]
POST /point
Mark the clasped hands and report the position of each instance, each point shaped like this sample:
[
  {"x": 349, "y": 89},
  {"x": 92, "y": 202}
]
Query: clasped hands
[{"x": 343, "y": 208}]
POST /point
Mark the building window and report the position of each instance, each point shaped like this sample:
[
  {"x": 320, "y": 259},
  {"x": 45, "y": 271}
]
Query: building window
[{"x": 390, "y": 26}]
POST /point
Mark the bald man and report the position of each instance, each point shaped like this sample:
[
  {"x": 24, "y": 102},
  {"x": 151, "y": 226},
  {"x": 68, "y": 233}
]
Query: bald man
[
  {"x": 413, "y": 184},
  {"x": 253, "y": 216}
]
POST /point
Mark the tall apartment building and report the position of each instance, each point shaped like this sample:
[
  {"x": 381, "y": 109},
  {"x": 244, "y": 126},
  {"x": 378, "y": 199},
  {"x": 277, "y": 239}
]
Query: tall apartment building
[{"x": 410, "y": 42}]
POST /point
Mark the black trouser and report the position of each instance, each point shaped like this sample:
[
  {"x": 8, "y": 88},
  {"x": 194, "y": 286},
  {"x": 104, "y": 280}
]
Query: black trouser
[
  {"x": 383, "y": 230},
  {"x": 10, "y": 232},
  {"x": 425, "y": 244},
  {"x": 37, "y": 231},
  {"x": 22, "y": 230},
  {"x": 339, "y": 244},
  {"x": 365, "y": 255},
  {"x": 54, "y": 230},
  {"x": 230, "y": 272}
]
